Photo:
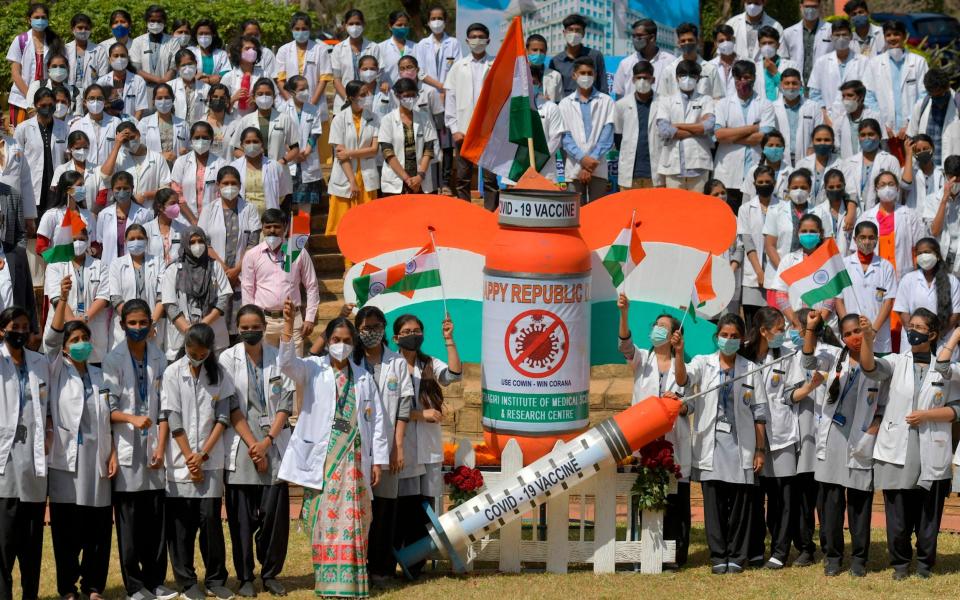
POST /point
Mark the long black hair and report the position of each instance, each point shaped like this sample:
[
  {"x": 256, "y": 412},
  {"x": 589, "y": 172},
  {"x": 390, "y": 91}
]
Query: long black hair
[
  {"x": 766, "y": 317},
  {"x": 201, "y": 334},
  {"x": 833, "y": 392},
  {"x": 67, "y": 180},
  {"x": 50, "y": 37},
  {"x": 72, "y": 326},
  {"x": 731, "y": 319},
  {"x": 934, "y": 324},
  {"x": 941, "y": 279},
  {"x": 402, "y": 320}
]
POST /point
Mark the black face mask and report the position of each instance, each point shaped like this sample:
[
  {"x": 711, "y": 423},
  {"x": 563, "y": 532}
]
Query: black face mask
[
  {"x": 16, "y": 339},
  {"x": 251, "y": 338},
  {"x": 411, "y": 342},
  {"x": 116, "y": 105},
  {"x": 765, "y": 189},
  {"x": 924, "y": 158},
  {"x": 218, "y": 104},
  {"x": 915, "y": 338},
  {"x": 45, "y": 111},
  {"x": 836, "y": 194}
]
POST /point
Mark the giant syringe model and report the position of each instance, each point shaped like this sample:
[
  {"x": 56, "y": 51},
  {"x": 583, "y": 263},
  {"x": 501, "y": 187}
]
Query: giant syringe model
[{"x": 566, "y": 467}]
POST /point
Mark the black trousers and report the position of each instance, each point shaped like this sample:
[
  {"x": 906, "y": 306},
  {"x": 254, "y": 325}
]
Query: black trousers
[
  {"x": 676, "y": 521},
  {"x": 411, "y": 526},
  {"x": 757, "y": 533},
  {"x": 805, "y": 489},
  {"x": 380, "y": 560},
  {"x": 186, "y": 517},
  {"x": 141, "y": 539},
  {"x": 914, "y": 511},
  {"x": 781, "y": 514},
  {"x": 727, "y": 515},
  {"x": 258, "y": 514},
  {"x": 491, "y": 193},
  {"x": 832, "y": 502},
  {"x": 80, "y": 530},
  {"x": 21, "y": 540}
]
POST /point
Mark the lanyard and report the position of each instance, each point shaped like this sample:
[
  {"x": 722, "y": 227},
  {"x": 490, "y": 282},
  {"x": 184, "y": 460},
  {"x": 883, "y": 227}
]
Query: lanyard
[
  {"x": 344, "y": 394},
  {"x": 23, "y": 379},
  {"x": 255, "y": 372},
  {"x": 851, "y": 379},
  {"x": 80, "y": 284},
  {"x": 140, "y": 369},
  {"x": 726, "y": 391},
  {"x": 87, "y": 391}
]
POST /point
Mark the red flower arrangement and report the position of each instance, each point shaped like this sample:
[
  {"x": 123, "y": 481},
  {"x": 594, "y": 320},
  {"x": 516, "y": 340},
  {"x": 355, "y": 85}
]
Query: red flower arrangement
[
  {"x": 464, "y": 483},
  {"x": 655, "y": 467}
]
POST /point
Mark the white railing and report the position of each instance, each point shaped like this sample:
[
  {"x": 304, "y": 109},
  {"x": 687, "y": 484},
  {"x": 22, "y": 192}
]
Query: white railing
[{"x": 604, "y": 552}]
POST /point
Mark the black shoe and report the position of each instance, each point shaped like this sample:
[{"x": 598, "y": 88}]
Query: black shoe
[
  {"x": 734, "y": 568},
  {"x": 273, "y": 586},
  {"x": 900, "y": 574},
  {"x": 858, "y": 570},
  {"x": 719, "y": 569},
  {"x": 247, "y": 590},
  {"x": 924, "y": 574},
  {"x": 804, "y": 560},
  {"x": 774, "y": 564},
  {"x": 755, "y": 563},
  {"x": 831, "y": 569}
]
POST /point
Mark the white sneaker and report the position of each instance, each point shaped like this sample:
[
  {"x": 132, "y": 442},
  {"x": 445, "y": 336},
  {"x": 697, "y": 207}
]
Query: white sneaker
[{"x": 164, "y": 593}]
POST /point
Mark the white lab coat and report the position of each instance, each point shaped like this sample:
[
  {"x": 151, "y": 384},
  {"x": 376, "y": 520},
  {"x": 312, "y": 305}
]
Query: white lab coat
[
  {"x": 309, "y": 123},
  {"x": 197, "y": 406},
  {"x": 601, "y": 114},
  {"x": 27, "y": 57},
  {"x": 870, "y": 289},
  {"x": 623, "y": 78},
  {"x": 120, "y": 381},
  {"x": 394, "y": 384},
  {"x": 459, "y": 103},
  {"x": 730, "y": 157},
  {"x": 792, "y": 40},
  {"x": 6, "y": 284},
  {"x": 38, "y": 373},
  {"x": 342, "y": 64},
  {"x": 908, "y": 229},
  {"x": 134, "y": 92},
  {"x": 13, "y": 172},
  {"x": 872, "y": 45},
  {"x": 879, "y": 79},
  {"x": 925, "y": 194},
  {"x": 150, "y": 171},
  {"x": 920, "y": 115},
  {"x": 779, "y": 224},
  {"x": 818, "y": 195},
  {"x": 343, "y": 133},
  {"x": 96, "y": 286},
  {"x": 862, "y": 187},
  {"x": 122, "y": 282},
  {"x": 553, "y": 130},
  {"x": 211, "y": 221},
  {"x": 142, "y": 53},
  {"x": 391, "y": 132},
  {"x": 704, "y": 370},
  {"x": 198, "y": 108},
  {"x": 950, "y": 141},
  {"x": 28, "y": 137},
  {"x": 936, "y": 447},
  {"x": 827, "y": 77},
  {"x": 710, "y": 83},
  {"x": 781, "y": 179},
  {"x": 83, "y": 73},
  {"x": 750, "y": 220},
  {"x": 284, "y": 132},
  {"x": 423, "y": 441},
  {"x": 150, "y": 131},
  {"x": 436, "y": 58},
  {"x": 101, "y": 135},
  {"x": 779, "y": 380},
  {"x": 914, "y": 292},
  {"x": 697, "y": 149},
  {"x": 625, "y": 123},
  {"x": 275, "y": 385},
  {"x": 748, "y": 45},
  {"x": 53, "y": 217},
  {"x": 303, "y": 463},
  {"x": 276, "y": 180},
  {"x": 389, "y": 56},
  {"x": 171, "y": 294},
  {"x": 725, "y": 75},
  {"x": 184, "y": 173},
  {"x": 92, "y": 185},
  {"x": 234, "y": 82},
  {"x": 799, "y": 142},
  {"x": 845, "y": 130},
  {"x": 316, "y": 64},
  {"x": 221, "y": 60},
  {"x": 107, "y": 227},
  {"x": 155, "y": 239}
]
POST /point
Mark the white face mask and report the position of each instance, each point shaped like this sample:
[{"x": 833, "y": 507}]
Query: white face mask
[
  {"x": 339, "y": 351},
  {"x": 229, "y": 192},
  {"x": 888, "y": 193},
  {"x": 643, "y": 86},
  {"x": 355, "y": 31},
  {"x": 79, "y": 154},
  {"x": 273, "y": 241},
  {"x": 81, "y": 35},
  {"x": 264, "y": 102},
  {"x": 955, "y": 189},
  {"x": 94, "y": 107},
  {"x": 799, "y": 196},
  {"x": 585, "y": 82},
  {"x": 437, "y": 25},
  {"x": 188, "y": 72},
  {"x": 927, "y": 260},
  {"x": 841, "y": 42},
  {"x": 811, "y": 13},
  {"x": 155, "y": 28},
  {"x": 408, "y": 103},
  {"x": 200, "y": 146},
  {"x": 726, "y": 48},
  {"x": 58, "y": 74},
  {"x": 754, "y": 10},
  {"x": 477, "y": 45},
  {"x": 851, "y": 106},
  {"x": 252, "y": 150},
  {"x": 573, "y": 38},
  {"x": 198, "y": 249},
  {"x": 896, "y": 54},
  {"x": 182, "y": 39},
  {"x": 136, "y": 247},
  {"x": 80, "y": 247},
  {"x": 303, "y": 96},
  {"x": 163, "y": 105},
  {"x": 687, "y": 83},
  {"x": 61, "y": 110},
  {"x": 119, "y": 64},
  {"x": 132, "y": 145},
  {"x": 768, "y": 51},
  {"x": 366, "y": 103},
  {"x": 204, "y": 41},
  {"x": 368, "y": 75}
]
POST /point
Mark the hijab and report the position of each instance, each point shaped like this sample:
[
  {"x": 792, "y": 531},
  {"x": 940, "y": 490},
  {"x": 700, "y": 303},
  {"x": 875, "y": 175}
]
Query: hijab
[{"x": 195, "y": 278}]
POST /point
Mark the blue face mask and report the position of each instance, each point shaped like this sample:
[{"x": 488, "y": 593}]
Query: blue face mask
[
  {"x": 39, "y": 24},
  {"x": 80, "y": 351},
  {"x": 778, "y": 340},
  {"x": 773, "y": 154},
  {"x": 120, "y": 31},
  {"x": 537, "y": 60},
  {"x": 795, "y": 337},
  {"x": 658, "y": 335},
  {"x": 728, "y": 346},
  {"x": 859, "y": 21},
  {"x": 400, "y": 33},
  {"x": 301, "y": 36},
  {"x": 870, "y": 144},
  {"x": 809, "y": 240},
  {"x": 138, "y": 335}
]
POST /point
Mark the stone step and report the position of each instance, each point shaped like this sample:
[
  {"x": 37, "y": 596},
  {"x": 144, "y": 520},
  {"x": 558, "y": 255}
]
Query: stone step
[
  {"x": 318, "y": 221},
  {"x": 331, "y": 285},
  {"x": 321, "y": 244},
  {"x": 328, "y": 263}
]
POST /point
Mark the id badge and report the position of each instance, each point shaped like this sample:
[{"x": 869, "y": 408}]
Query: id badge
[
  {"x": 81, "y": 308},
  {"x": 341, "y": 425},
  {"x": 840, "y": 420},
  {"x": 265, "y": 422},
  {"x": 723, "y": 426}
]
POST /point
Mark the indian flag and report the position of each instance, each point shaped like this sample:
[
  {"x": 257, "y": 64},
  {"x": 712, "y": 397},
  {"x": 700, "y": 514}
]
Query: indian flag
[
  {"x": 624, "y": 254},
  {"x": 505, "y": 118},
  {"x": 299, "y": 237},
  {"x": 420, "y": 272},
  {"x": 703, "y": 286},
  {"x": 62, "y": 248},
  {"x": 820, "y": 276}
]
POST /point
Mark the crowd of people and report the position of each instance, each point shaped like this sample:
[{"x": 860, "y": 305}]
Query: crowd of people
[{"x": 171, "y": 367}]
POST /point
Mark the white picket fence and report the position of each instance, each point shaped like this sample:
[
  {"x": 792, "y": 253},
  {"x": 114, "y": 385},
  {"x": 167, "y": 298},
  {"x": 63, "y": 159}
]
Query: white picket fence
[{"x": 606, "y": 491}]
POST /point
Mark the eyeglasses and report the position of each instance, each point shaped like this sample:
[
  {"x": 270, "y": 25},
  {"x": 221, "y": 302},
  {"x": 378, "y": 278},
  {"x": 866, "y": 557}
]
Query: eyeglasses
[{"x": 406, "y": 332}]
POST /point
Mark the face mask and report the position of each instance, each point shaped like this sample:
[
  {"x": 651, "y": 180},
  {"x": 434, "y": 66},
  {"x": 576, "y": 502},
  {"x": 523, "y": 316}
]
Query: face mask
[
  {"x": 251, "y": 338},
  {"x": 204, "y": 41},
  {"x": 116, "y": 105},
  {"x": 915, "y": 338},
  {"x": 835, "y": 195},
  {"x": 188, "y": 72},
  {"x": 303, "y": 96},
  {"x": 411, "y": 342},
  {"x": 658, "y": 335},
  {"x": 790, "y": 94},
  {"x": 229, "y": 192},
  {"x": 754, "y": 10},
  {"x": 822, "y": 149},
  {"x": 537, "y": 59},
  {"x": 573, "y": 38},
  {"x": 728, "y": 346},
  {"x": 408, "y": 74},
  {"x": 400, "y": 33},
  {"x": 122, "y": 196},
  {"x": 249, "y": 55},
  {"x": 218, "y": 104},
  {"x": 132, "y": 145},
  {"x": 81, "y": 35},
  {"x": 643, "y": 86},
  {"x": 585, "y": 82},
  {"x": 119, "y": 64},
  {"x": 39, "y": 24},
  {"x": 200, "y": 146},
  {"x": 120, "y": 31},
  {"x": 437, "y": 25},
  {"x": 688, "y": 49},
  {"x": 79, "y": 155},
  {"x": 79, "y": 195},
  {"x": 164, "y": 105},
  {"x": 355, "y": 31},
  {"x": 860, "y": 21},
  {"x": 726, "y": 48},
  {"x": 264, "y": 102},
  {"x": 768, "y": 51},
  {"x": 764, "y": 189},
  {"x": 195, "y": 362},
  {"x": 955, "y": 189},
  {"x": 339, "y": 351},
  {"x": 182, "y": 39},
  {"x": 799, "y": 196},
  {"x": 927, "y": 260},
  {"x": 795, "y": 337},
  {"x": 156, "y": 28},
  {"x": 811, "y": 13},
  {"x": 273, "y": 241},
  {"x": 15, "y": 339},
  {"x": 851, "y": 106},
  {"x": 841, "y": 42},
  {"x": 888, "y": 193},
  {"x": 60, "y": 111},
  {"x": 925, "y": 157},
  {"x": 197, "y": 250},
  {"x": 854, "y": 342},
  {"x": 866, "y": 248},
  {"x": 870, "y": 144},
  {"x": 773, "y": 153},
  {"x": 408, "y": 103},
  {"x": 79, "y": 247},
  {"x": 896, "y": 54},
  {"x": 80, "y": 351},
  {"x": 138, "y": 247},
  {"x": 301, "y": 36},
  {"x": 744, "y": 88},
  {"x": 687, "y": 83},
  {"x": 809, "y": 240},
  {"x": 45, "y": 111},
  {"x": 366, "y": 103},
  {"x": 172, "y": 211},
  {"x": 368, "y": 75},
  {"x": 639, "y": 44},
  {"x": 477, "y": 45},
  {"x": 252, "y": 150},
  {"x": 138, "y": 335},
  {"x": 371, "y": 339},
  {"x": 778, "y": 340},
  {"x": 58, "y": 74}
]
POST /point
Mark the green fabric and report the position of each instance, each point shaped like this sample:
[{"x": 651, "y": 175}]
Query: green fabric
[{"x": 525, "y": 125}]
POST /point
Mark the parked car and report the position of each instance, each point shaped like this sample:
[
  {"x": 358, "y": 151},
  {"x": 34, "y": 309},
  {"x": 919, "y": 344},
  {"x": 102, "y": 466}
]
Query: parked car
[{"x": 939, "y": 30}]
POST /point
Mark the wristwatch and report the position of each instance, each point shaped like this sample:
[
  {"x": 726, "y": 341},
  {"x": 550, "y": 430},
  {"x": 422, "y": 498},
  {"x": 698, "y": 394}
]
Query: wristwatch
[
  {"x": 205, "y": 457},
  {"x": 272, "y": 439},
  {"x": 421, "y": 174}
]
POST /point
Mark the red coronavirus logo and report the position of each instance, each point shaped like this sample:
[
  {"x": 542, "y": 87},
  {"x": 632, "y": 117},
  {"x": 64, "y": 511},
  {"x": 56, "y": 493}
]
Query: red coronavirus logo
[{"x": 537, "y": 343}]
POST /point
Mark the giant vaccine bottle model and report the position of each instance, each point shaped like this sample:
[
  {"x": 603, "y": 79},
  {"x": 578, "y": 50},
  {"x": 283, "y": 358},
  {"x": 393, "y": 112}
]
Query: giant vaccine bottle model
[
  {"x": 565, "y": 468},
  {"x": 536, "y": 323}
]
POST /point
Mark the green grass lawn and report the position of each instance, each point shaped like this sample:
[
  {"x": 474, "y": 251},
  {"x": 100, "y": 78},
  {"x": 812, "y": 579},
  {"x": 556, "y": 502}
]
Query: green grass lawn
[{"x": 694, "y": 582}]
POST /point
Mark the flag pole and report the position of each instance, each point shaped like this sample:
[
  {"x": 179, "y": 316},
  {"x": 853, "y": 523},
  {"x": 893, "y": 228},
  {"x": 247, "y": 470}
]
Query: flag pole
[
  {"x": 686, "y": 309},
  {"x": 443, "y": 293},
  {"x": 531, "y": 154}
]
